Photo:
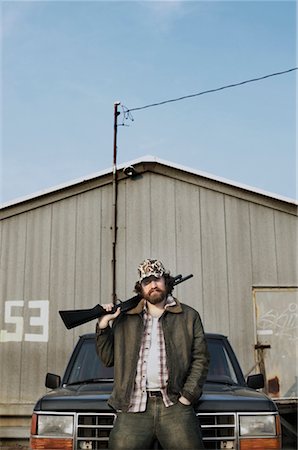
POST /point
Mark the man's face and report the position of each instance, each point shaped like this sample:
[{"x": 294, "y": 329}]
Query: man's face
[{"x": 154, "y": 289}]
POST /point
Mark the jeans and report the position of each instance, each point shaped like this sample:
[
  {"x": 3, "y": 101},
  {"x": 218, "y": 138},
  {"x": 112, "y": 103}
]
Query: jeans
[{"x": 175, "y": 427}]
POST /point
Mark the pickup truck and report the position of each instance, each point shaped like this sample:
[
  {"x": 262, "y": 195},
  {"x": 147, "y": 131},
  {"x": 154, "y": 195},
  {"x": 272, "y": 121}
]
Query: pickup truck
[{"x": 233, "y": 414}]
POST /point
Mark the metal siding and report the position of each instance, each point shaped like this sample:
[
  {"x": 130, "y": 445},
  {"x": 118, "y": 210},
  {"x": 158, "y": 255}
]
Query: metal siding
[
  {"x": 263, "y": 246},
  {"x": 163, "y": 227},
  {"x": 62, "y": 280},
  {"x": 286, "y": 230},
  {"x": 88, "y": 249},
  {"x": 88, "y": 280},
  {"x": 239, "y": 264},
  {"x": 214, "y": 251},
  {"x": 188, "y": 244},
  {"x": 137, "y": 243},
  {"x": 38, "y": 247},
  {"x": 12, "y": 288}
]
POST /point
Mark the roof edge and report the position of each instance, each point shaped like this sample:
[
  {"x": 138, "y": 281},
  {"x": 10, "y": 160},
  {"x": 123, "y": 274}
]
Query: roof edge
[{"x": 146, "y": 159}]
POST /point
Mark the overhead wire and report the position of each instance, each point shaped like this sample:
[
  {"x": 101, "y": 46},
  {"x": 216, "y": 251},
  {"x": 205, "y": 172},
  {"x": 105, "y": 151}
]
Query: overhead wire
[{"x": 127, "y": 111}]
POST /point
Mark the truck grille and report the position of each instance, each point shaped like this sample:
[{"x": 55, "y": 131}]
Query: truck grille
[
  {"x": 93, "y": 430},
  {"x": 218, "y": 430}
]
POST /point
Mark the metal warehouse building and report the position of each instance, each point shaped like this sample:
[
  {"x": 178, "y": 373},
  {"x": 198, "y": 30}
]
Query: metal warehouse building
[{"x": 56, "y": 253}]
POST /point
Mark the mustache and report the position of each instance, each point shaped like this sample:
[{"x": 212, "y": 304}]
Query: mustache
[{"x": 154, "y": 290}]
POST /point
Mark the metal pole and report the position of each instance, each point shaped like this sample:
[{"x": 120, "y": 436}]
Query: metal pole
[{"x": 116, "y": 114}]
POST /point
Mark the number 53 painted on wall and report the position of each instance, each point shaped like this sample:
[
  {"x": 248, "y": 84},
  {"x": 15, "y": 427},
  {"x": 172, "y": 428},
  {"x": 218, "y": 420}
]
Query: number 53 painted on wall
[{"x": 15, "y": 321}]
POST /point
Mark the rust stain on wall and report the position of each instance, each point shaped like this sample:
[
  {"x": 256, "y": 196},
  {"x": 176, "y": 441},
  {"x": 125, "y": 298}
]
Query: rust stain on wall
[{"x": 274, "y": 386}]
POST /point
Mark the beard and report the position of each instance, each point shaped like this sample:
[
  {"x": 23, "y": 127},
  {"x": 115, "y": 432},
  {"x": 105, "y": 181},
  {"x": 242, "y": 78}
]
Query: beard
[{"x": 155, "y": 296}]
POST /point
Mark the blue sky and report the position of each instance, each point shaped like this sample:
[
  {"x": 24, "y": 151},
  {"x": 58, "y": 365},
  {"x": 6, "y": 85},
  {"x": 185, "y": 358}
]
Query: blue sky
[{"x": 65, "y": 63}]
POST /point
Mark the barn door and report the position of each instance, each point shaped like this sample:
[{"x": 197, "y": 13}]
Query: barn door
[{"x": 276, "y": 319}]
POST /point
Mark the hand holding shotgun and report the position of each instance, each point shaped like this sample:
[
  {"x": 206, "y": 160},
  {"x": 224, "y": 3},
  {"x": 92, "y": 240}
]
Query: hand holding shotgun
[{"x": 103, "y": 321}]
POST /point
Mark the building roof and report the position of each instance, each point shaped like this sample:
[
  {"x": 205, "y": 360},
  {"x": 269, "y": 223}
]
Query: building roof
[{"x": 142, "y": 160}]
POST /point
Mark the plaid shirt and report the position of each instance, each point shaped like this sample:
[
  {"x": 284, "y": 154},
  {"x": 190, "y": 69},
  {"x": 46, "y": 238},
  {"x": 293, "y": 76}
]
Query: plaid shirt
[{"x": 138, "y": 400}]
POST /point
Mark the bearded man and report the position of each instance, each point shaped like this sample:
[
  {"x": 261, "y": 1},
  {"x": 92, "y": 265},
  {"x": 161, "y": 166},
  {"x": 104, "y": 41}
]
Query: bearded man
[{"x": 160, "y": 358}]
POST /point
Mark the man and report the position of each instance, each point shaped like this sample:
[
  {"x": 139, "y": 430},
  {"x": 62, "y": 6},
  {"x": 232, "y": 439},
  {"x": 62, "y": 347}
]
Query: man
[{"x": 160, "y": 360}]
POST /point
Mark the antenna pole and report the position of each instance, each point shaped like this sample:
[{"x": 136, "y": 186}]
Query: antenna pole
[{"x": 115, "y": 186}]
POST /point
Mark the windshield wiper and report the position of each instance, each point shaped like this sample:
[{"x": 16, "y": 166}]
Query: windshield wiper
[
  {"x": 90, "y": 380},
  {"x": 227, "y": 381}
]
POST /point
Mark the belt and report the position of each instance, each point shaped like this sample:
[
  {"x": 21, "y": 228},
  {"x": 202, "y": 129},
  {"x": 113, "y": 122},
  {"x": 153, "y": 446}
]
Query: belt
[{"x": 154, "y": 393}]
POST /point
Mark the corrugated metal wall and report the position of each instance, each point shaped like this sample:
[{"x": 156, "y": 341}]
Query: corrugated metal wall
[{"x": 60, "y": 255}]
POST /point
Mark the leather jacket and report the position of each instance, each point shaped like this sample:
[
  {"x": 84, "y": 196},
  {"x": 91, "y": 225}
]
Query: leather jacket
[{"x": 186, "y": 352}]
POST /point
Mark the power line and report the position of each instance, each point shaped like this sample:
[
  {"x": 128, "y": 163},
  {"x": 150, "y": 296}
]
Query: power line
[{"x": 127, "y": 112}]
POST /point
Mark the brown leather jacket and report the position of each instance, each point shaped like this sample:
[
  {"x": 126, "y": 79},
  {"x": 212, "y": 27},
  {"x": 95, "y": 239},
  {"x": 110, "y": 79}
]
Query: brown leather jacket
[{"x": 186, "y": 350}]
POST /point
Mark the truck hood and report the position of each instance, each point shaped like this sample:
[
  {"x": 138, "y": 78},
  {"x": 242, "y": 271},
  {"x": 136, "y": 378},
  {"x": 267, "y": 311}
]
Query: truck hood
[
  {"x": 227, "y": 398},
  {"x": 216, "y": 397},
  {"x": 77, "y": 397}
]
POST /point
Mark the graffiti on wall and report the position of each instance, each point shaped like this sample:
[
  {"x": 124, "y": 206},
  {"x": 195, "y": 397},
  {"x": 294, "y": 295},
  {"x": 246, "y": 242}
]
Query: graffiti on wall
[{"x": 280, "y": 323}]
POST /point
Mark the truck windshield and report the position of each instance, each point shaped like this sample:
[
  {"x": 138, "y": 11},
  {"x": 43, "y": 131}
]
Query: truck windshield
[
  {"x": 221, "y": 369},
  {"x": 87, "y": 367}
]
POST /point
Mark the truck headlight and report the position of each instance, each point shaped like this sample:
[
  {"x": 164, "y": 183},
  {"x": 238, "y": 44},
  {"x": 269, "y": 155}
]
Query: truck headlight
[
  {"x": 257, "y": 425},
  {"x": 55, "y": 425}
]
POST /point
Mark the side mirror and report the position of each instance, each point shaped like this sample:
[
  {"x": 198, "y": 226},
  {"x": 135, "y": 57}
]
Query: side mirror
[
  {"x": 52, "y": 381},
  {"x": 256, "y": 381}
]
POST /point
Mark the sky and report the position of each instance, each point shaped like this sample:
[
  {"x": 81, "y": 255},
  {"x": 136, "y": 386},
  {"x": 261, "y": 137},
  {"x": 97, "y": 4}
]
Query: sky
[{"x": 65, "y": 63}]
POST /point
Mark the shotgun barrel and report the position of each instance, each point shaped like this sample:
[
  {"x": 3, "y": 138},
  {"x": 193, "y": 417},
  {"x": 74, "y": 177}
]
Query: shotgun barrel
[{"x": 74, "y": 317}]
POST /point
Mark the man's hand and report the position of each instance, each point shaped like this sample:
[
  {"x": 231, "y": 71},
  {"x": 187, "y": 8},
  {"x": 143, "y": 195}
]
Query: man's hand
[
  {"x": 184, "y": 401},
  {"x": 103, "y": 321}
]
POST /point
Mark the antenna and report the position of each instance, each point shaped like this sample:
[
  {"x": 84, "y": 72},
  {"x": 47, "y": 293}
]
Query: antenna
[{"x": 115, "y": 186}]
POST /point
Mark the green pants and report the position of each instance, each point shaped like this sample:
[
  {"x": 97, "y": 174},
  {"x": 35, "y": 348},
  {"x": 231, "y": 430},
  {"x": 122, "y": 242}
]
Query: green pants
[{"x": 175, "y": 427}]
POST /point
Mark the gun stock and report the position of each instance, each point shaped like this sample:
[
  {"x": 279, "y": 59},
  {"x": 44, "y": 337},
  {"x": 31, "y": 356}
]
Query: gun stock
[{"x": 74, "y": 317}]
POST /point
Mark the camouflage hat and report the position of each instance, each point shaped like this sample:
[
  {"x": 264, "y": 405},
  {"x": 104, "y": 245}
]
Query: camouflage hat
[{"x": 151, "y": 267}]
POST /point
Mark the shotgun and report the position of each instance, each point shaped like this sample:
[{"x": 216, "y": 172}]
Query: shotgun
[{"x": 74, "y": 317}]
